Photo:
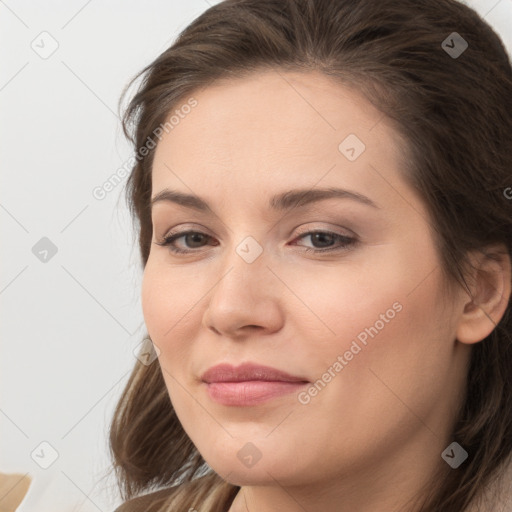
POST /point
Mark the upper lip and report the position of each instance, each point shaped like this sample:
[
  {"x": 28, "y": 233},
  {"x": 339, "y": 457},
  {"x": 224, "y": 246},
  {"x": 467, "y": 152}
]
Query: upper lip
[{"x": 247, "y": 372}]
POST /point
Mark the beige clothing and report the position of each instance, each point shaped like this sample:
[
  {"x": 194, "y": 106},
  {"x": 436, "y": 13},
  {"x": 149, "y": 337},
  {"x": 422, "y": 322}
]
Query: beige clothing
[{"x": 13, "y": 488}]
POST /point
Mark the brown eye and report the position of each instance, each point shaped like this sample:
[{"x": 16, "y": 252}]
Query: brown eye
[
  {"x": 325, "y": 241},
  {"x": 193, "y": 240}
]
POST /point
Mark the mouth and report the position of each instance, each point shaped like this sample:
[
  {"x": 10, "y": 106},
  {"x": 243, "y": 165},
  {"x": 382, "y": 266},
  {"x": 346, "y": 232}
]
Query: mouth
[{"x": 249, "y": 384}]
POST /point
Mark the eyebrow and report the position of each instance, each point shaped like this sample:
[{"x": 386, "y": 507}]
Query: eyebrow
[{"x": 283, "y": 201}]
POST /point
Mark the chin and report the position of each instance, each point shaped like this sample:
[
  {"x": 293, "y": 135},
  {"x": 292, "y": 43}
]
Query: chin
[
  {"x": 247, "y": 465},
  {"x": 259, "y": 475}
]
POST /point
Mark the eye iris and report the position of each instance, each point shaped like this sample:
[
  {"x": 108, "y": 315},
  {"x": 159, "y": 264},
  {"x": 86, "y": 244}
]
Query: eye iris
[
  {"x": 315, "y": 237},
  {"x": 196, "y": 237}
]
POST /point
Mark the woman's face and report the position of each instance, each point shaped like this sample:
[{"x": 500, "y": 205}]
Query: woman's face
[{"x": 361, "y": 323}]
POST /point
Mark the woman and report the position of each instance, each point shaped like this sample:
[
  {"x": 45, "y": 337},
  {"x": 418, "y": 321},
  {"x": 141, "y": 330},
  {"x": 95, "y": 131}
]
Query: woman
[{"x": 323, "y": 191}]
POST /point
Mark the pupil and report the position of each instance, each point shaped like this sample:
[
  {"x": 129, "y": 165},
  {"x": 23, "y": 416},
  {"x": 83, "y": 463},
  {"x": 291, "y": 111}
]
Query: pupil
[
  {"x": 321, "y": 237},
  {"x": 194, "y": 236}
]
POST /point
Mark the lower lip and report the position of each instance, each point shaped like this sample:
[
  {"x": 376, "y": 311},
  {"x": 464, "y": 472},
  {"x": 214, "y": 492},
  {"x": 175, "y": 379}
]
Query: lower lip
[{"x": 250, "y": 392}]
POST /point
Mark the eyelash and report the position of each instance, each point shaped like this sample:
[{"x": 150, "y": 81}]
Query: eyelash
[{"x": 348, "y": 241}]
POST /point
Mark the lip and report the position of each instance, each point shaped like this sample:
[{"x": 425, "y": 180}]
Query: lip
[{"x": 249, "y": 384}]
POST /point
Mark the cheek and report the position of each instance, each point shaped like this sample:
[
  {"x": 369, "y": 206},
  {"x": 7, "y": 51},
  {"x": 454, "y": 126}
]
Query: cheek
[
  {"x": 173, "y": 302},
  {"x": 391, "y": 348},
  {"x": 168, "y": 309},
  {"x": 167, "y": 299},
  {"x": 168, "y": 316},
  {"x": 331, "y": 307},
  {"x": 385, "y": 307},
  {"x": 369, "y": 323},
  {"x": 394, "y": 353},
  {"x": 153, "y": 300}
]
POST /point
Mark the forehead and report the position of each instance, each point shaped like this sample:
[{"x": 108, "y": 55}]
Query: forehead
[{"x": 276, "y": 129}]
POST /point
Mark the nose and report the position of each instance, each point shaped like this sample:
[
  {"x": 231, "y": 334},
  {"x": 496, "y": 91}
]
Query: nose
[{"x": 245, "y": 300}]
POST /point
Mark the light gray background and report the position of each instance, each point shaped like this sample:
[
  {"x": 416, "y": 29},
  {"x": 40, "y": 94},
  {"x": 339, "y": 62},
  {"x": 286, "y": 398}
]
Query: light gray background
[{"x": 70, "y": 324}]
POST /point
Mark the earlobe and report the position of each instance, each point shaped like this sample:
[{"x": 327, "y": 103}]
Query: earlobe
[{"x": 491, "y": 288}]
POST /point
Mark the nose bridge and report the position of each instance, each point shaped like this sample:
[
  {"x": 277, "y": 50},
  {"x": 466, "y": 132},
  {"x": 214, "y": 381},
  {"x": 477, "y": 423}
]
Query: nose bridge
[
  {"x": 243, "y": 294},
  {"x": 244, "y": 271}
]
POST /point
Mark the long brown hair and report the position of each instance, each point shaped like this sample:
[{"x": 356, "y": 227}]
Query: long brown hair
[{"x": 454, "y": 112}]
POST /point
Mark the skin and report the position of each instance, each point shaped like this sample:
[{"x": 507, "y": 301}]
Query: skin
[{"x": 372, "y": 436}]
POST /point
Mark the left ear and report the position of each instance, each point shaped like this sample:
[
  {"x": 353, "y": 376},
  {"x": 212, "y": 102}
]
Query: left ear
[{"x": 490, "y": 286}]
